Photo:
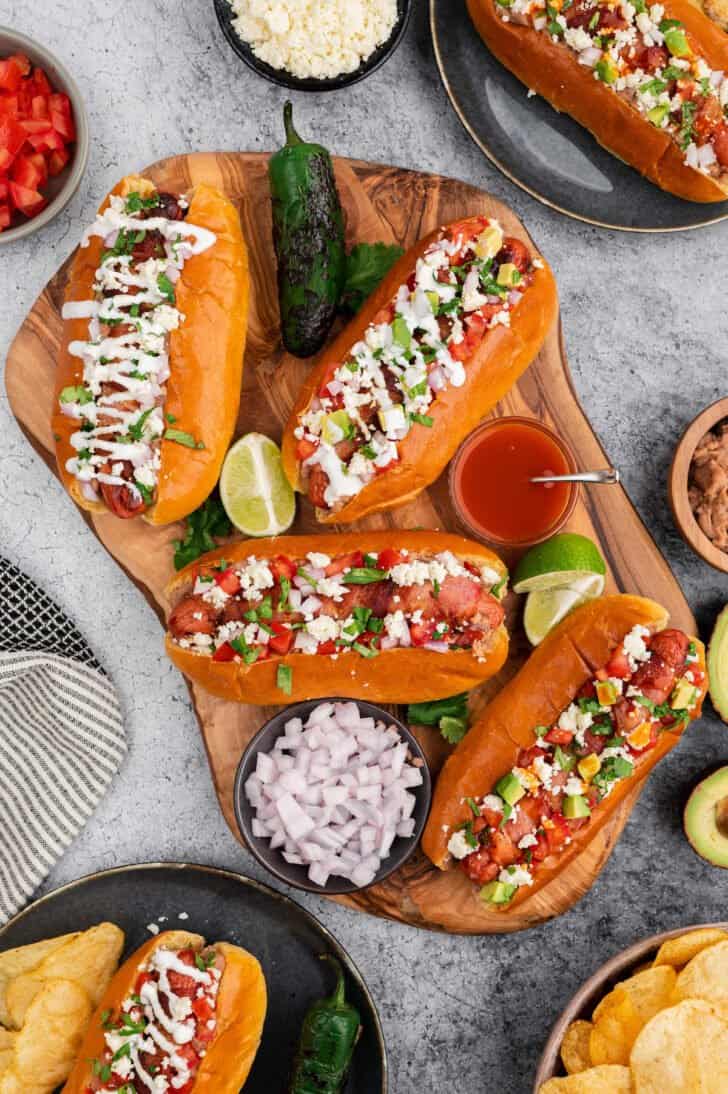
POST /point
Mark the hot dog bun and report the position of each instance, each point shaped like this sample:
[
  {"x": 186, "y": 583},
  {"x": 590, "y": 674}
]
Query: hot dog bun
[
  {"x": 502, "y": 356},
  {"x": 240, "y": 1014},
  {"x": 205, "y": 355},
  {"x": 553, "y": 70},
  {"x": 397, "y": 675},
  {"x": 536, "y": 696}
]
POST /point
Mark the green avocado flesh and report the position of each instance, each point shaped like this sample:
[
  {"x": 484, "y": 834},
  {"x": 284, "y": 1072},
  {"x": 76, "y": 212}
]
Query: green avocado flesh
[
  {"x": 706, "y": 818},
  {"x": 718, "y": 664}
]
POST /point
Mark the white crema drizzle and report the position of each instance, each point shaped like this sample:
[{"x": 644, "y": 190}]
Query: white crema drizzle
[
  {"x": 136, "y": 361},
  {"x": 169, "y": 1024}
]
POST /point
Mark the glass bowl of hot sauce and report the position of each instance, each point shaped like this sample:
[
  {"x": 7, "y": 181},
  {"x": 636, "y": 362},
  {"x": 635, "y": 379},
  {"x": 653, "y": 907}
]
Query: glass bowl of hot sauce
[{"x": 490, "y": 482}]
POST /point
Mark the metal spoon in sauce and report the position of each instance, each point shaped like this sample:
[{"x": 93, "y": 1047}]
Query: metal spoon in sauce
[{"x": 609, "y": 475}]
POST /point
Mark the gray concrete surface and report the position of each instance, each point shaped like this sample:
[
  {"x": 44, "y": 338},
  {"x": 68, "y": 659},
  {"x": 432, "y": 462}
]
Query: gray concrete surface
[{"x": 645, "y": 326}]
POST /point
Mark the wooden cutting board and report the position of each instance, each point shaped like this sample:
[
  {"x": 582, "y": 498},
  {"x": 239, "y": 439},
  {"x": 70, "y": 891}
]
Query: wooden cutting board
[{"x": 391, "y": 204}]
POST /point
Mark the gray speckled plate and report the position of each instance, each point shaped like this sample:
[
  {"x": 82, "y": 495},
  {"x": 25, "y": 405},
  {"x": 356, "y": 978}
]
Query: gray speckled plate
[
  {"x": 547, "y": 154},
  {"x": 223, "y": 906}
]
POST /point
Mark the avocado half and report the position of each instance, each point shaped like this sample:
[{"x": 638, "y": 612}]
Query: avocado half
[
  {"x": 718, "y": 664},
  {"x": 706, "y": 818}
]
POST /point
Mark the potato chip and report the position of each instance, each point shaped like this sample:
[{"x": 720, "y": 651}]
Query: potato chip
[
  {"x": 575, "y": 1047},
  {"x": 48, "y": 1044},
  {"x": 683, "y": 1048},
  {"x": 89, "y": 959},
  {"x": 678, "y": 951},
  {"x": 24, "y": 959},
  {"x": 622, "y": 1014},
  {"x": 597, "y": 1080},
  {"x": 7, "y": 1045},
  {"x": 706, "y": 976}
]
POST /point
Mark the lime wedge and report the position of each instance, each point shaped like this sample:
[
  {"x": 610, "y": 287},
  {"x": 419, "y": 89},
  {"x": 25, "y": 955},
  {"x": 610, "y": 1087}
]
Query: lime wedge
[
  {"x": 562, "y": 560},
  {"x": 547, "y": 607},
  {"x": 254, "y": 490}
]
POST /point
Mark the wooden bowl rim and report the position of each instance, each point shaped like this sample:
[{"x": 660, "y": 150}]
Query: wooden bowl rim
[
  {"x": 688, "y": 527},
  {"x": 593, "y": 990}
]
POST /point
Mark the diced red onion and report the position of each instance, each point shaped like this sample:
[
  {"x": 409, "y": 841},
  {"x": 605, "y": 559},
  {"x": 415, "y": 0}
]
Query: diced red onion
[
  {"x": 436, "y": 379},
  {"x": 589, "y": 56},
  {"x": 706, "y": 155},
  {"x": 173, "y": 273},
  {"x": 716, "y": 78},
  {"x": 335, "y": 387},
  {"x": 295, "y": 598},
  {"x": 310, "y": 605},
  {"x": 339, "y": 811},
  {"x": 111, "y": 238},
  {"x": 514, "y": 296},
  {"x": 88, "y": 492},
  {"x": 437, "y": 647},
  {"x": 71, "y": 410}
]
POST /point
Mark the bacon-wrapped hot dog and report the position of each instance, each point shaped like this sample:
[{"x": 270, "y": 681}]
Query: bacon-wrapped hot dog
[
  {"x": 603, "y": 698},
  {"x": 443, "y": 338},
  {"x": 388, "y": 616},
  {"x": 149, "y": 377},
  {"x": 647, "y": 79},
  {"x": 178, "y": 1016}
]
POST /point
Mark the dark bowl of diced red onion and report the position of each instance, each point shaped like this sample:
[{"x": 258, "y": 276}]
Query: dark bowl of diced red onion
[{"x": 332, "y": 795}]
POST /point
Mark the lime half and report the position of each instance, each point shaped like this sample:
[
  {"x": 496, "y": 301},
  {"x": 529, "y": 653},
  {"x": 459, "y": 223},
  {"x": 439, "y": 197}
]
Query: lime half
[
  {"x": 562, "y": 560},
  {"x": 254, "y": 490},
  {"x": 545, "y": 608}
]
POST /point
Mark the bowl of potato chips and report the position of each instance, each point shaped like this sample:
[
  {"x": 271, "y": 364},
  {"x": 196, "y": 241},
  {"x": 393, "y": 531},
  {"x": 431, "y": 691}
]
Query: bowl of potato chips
[{"x": 653, "y": 1020}]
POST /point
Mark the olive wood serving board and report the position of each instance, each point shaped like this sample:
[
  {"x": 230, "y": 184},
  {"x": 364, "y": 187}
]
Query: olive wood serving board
[{"x": 391, "y": 204}]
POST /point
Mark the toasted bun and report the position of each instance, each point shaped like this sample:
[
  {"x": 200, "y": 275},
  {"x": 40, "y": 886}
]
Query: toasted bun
[
  {"x": 399, "y": 675},
  {"x": 496, "y": 365},
  {"x": 205, "y": 356},
  {"x": 537, "y": 695},
  {"x": 241, "y": 1009},
  {"x": 554, "y": 72}
]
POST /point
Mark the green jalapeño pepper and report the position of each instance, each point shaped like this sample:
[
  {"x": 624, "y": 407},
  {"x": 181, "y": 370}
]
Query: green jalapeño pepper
[
  {"x": 308, "y": 235},
  {"x": 330, "y": 1031}
]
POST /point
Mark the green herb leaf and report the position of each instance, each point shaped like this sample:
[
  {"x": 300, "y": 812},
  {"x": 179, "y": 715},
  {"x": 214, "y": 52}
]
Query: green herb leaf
[
  {"x": 166, "y": 288},
  {"x": 284, "y": 678},
  {"x": 453, "y": 729},
  {"x": 431, "y": 713},
  {"x": 207, "y": 522},
  {"x": 78, "y": 394},
  {"x": 363, "y": 575},
  {"x": 365, "y": 267},
  {"x": 180, "y": 437}
]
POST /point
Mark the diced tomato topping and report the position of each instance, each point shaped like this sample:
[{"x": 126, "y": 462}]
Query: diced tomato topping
[
  {"x": 4, "y": 216},
  {"x": 38, "y": 159},
  {"x": 228, "y": 581},
  {"x": 352, "y": 561},
  {"x": 618, "y": 665},
  {"x": 12, "y": 136},
  {"x": 10, "y": 75},
  {"x": 422, "y": 632},
  {"x": 181, "y": 984},
  {"x": 27, "y": 173},
  {"x": 41, "y": 81},
  {"x": 502, "y": 849},
  {"x": 282, "y": 640},
  {"x": 282, "y": 566},
  {"x": 388, "y": 558},
  {"x": 305, "y": 448},
  {"x": 527, "y": 755},
  {"x": 327, "y": 648},
  {"x": 22, "y": 63},
  {"x": 557, "y": 835},
  {"x": 57, "y": 161},
  {"x": 225, "y": 652},
  {"x": 558, "y": 736},
  {"x": 27, "y": 201}
]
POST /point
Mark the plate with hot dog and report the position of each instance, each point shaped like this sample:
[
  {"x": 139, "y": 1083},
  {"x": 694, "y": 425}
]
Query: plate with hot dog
[
  {"x": 611, "y": 113},
  {"x": 217, "y": 979}
]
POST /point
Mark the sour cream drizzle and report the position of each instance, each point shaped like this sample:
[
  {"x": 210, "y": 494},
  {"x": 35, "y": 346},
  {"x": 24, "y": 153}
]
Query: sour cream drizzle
[
  {"x": 159, "y": 1007},
  {"x": 135, "y": 361}
]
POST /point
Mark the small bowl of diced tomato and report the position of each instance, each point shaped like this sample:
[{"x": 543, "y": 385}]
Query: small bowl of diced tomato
[{"x": 43, "y": 136}]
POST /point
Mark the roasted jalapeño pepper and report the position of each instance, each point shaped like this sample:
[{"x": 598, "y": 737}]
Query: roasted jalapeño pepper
[{"x": 330, "y": 1031}]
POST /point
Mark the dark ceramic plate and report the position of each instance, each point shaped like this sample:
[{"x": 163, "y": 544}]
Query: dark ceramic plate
[
  {"x": 223, "y": 906},
  {"x": 224, "y": 12},
  {"x": 547, "y": 154},
  {"x": 273, "y": 860}
]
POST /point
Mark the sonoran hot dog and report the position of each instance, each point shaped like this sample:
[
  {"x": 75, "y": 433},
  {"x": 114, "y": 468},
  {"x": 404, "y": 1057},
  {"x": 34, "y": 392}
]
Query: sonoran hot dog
[
  {"x": 648, "y": 80},
  {"x": 180, "y": 1011},
  {"x": 149, "y": 377},
  {"x": 387, "y": 616},
  {"x": 444, "y": 337},
  {"x": 597, "y": 705}
]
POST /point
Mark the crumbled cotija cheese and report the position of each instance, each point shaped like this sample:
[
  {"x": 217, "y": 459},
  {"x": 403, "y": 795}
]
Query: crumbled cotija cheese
[{"x": 320, "y": 38}]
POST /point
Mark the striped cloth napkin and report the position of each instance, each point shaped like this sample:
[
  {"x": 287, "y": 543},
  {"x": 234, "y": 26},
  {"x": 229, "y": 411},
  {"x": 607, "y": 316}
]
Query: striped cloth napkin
[{"x": 61, "y": 736}]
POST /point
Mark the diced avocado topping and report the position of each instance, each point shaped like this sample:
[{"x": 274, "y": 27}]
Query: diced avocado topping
[
  {"x": 676, "y": 41},
  {"x": 508, "y": 275},
  {"x": 606, "y": 693},
  {"x": 510, "y": 789},
  {"x": 576, "y": 806},
  {"x": 606, "y": 70},
  {"x": 490, "y": 239},
  {"x": 433, "y": 298},
  {"x": 401, "y": 333},
  {"x": 683, "y": 695},
  {"x": 337, "y": 427},
  {"x": 658, "y": 114},
  {"x": 498, "y": 892}
]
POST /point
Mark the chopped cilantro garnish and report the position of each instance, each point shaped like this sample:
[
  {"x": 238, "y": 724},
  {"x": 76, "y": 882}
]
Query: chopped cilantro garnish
[
  {"x": 179, "y": 436},
  {"x": 207, "y": 522},
  {"x": 284, "y": 678}
]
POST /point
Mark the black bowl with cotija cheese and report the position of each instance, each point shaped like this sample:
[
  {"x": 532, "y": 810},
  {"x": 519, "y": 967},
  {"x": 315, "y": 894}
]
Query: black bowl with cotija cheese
[
  {"x": 332, "y": 795},
  {"x": 315, "y": 47}
]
